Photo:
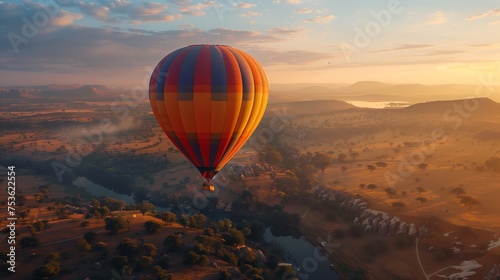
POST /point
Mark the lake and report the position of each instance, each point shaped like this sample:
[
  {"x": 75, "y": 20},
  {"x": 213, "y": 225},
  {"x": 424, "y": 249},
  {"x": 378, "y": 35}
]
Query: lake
[
  {"x": 379, "y": 104},
  {"x": 307, "y": 259},
  {"x": 98, "y": 190}
]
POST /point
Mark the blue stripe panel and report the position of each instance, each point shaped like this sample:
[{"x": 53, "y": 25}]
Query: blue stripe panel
[
  {"x": 193, "y": 142},
  {"x": 246, "y": 75},
  {"x": 215, "y": 139},
  {"x": 218, "y": 72},
  {"x": 162, "y": 75},
  {"x": 186, "y": 75}
]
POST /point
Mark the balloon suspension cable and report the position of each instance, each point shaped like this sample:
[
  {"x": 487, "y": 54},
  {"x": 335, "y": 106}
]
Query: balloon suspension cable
[
  {"x": 207, "y": 185},
  {"x": 207, "y": 182}
]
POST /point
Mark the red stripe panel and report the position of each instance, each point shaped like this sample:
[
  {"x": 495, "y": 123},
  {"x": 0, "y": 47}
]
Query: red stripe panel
[
  {"x": 171, "y": 86},
  {"x": 202, "y": 90}
]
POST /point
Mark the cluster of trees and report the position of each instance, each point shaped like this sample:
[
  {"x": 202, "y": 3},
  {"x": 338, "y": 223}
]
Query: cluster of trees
[
  {"x": 466, "y": 200},
  {"x": 50, "y": 268},
  {"x": 223, "y": 240}
]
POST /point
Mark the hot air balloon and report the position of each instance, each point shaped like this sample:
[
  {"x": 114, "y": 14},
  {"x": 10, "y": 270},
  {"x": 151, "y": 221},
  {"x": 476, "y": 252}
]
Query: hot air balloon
[{"x": 208, "y": 99}]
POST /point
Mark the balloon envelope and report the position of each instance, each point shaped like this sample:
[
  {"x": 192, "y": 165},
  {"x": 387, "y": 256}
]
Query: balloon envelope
[{"x": 208, "y": 99}]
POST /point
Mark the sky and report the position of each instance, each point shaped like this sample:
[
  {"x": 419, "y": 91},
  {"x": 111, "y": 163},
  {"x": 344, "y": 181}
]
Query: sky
[{"x": 118, "y": 43}]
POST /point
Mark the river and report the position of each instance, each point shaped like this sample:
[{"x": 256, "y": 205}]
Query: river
[{"x": 305, "y": 257}]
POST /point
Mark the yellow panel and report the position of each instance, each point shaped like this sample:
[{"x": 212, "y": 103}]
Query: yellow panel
[
  {"x": 172, "y": 108},
  {"x": 202, "y": 111},
  {"x": 260, "y": 104},
  {"x": 218, "y": 116},
  {"x": 186, "y": 110}
]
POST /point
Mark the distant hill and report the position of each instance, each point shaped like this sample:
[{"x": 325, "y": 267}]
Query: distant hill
[
  {"x": 313, "y": 107},
  {"x": 59, "y": 92},
  {"x": 374, "y": 91},
  {"x": 486, "y": 106}
]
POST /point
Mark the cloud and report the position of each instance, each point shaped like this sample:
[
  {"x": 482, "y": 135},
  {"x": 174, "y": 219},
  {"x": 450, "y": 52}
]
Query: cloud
[
  {"x": 186, "y": 26},
  {"x": 286, "y": 31},
  {"x": 405, "y": 47},
  {"x": 303, "y": 11},
  {"x": 250, "y": 14},
  {"x": 117, "y": 6},
  {"x": 195, "y": 10},
  {"x": 65, "y": 18},
  {"x": 291, "y": 57},
  {"x": 151, "y": 11},
  {"x": 78, "y": 49},
  {"x": 93, "y": 9},
  {"x": 321, "y": 19},
  {"x": 294, "y": 2},
  {"x": 438, "y": 53},
  {"x": 244, "y": 5},
  {"x": 180, "y": 2},
  {"x": 436, "y": 18},
  {"x": 12, "y": 14},
  {"x": 492, "y": 12}
]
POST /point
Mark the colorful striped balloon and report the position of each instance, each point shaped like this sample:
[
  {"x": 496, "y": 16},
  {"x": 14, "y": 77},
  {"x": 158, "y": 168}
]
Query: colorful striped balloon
[{"x": 208, "y": 99}]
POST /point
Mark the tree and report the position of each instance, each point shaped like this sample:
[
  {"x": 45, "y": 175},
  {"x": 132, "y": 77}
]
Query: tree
[
  {"x": 422, "y": 200},
  {"x": 148, "y": 249},
  {"x": 468, "y": 201},
  {"x": 95, "y": 203},
  {"x": 85, "y": 224},
  {"x": 354, "y": 155},
  {"x": 50, "y": 269},
  {"x": 421, "y": 190},
  {"x": 247, "y": 256},
  {"x": 270, "y": 155},
  {"x": 321, "y": 161},
  {"x": 398, "y": 205},
  {"x": 113, "y": 204},
  {"x": 458, "y": 191},
  {"x": 104, "y": 210},
  {"x": 371, "y": 187},
  {"x": 164, "y": 261},
  {"x": 173, "y": 242},
  {"x": 341, "y": 157},
  {"x": 127, "y": 248},
  {"x": 197, "y": 221},
  {"x": 224, "y": 225},
  {"x": 203, "y": 260},
  {"x": 390, "y": 191},
  {"x": 152, "y": 227},
  {"x": 90, "y": 236},
  {"x": 371, "y": 167},
  {"x": 422, "y": 166},
  {"x": 161, "y": 274},
  {"x": 29, "y": 241},
  {"x": 381, "y": 164},
  {"x": 144, "y": 262},
  {"x": 145, "y": 207},
  {"x": 118, "y": 262},
  {"x": 191, "y": 258},
  {"x": 234, "y": 237},
  {"x": 82, "y": 245},
  {"x": 116, "y": 224},
  {"x": 184, "y": 220},
  {"x": 168, "y": 217}
]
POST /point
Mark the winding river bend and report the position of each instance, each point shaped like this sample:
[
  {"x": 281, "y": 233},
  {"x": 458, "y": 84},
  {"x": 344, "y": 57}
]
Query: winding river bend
[{"x": 305, "y": 258}]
